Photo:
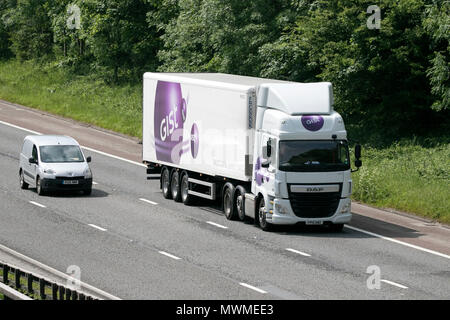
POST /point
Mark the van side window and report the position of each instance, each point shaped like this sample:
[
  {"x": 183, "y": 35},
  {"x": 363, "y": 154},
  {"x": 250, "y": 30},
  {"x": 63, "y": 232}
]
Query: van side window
[{"x": 34, "y": 154}]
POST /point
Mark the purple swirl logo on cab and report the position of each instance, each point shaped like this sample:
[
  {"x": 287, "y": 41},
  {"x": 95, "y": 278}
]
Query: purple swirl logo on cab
[{"x": 312, "y": 123}]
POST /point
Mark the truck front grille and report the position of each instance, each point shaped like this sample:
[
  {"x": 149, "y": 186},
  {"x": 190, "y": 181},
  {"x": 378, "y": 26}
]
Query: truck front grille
[{"x": 314, "y": 204}]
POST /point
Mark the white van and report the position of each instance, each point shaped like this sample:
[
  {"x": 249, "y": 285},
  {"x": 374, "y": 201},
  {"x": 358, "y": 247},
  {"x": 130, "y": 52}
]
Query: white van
[{"x": 51, "y": 162}]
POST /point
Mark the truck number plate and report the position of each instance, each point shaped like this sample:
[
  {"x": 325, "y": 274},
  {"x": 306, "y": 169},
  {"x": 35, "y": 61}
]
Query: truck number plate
[
  {"x": 314, "y": 222},
  {"x": 70, "y": 182}
]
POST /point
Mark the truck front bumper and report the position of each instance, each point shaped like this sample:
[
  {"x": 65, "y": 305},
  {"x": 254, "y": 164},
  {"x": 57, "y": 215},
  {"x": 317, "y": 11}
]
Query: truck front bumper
[{"x": 281, "y": 213}]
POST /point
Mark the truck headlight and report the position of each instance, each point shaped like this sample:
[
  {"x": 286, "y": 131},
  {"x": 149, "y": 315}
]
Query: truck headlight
[
  {"x": 279, "y": 208},
  {"x": 346, "y": 207}
]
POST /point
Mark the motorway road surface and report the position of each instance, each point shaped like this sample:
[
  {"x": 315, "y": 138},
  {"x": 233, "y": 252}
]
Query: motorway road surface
[{"x": 131, "y": 242}]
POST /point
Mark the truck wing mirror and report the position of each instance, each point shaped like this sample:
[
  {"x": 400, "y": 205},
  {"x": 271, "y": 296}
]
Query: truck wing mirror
[
  {"x": 357, "y": 151},
  {"x": 358, "y": 163}
]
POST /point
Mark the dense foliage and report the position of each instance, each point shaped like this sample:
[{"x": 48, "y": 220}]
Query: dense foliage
[{"x": 388, "y": 81}]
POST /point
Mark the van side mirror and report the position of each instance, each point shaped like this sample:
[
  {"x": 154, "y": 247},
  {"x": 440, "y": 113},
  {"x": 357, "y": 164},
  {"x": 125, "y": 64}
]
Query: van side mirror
[
  {"x": 32, "y": 160},
  {"x": 88, "y": 159}
]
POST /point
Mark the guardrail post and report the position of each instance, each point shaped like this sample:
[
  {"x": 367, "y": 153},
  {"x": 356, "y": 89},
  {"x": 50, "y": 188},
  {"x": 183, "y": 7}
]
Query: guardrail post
[
  {"x": 61, "y": 293},
  {"x": 30, "y": 283},
  {"x": 68, "y": 294},
  {"x": 54, "y": 291},
  {"x": 74, "y": 295},
  {"x": 42, "y": 288},
  {"x": 5, "y": 274},
  {"x": 17, "y": 278},
  {"x": 82, "y": 297}
]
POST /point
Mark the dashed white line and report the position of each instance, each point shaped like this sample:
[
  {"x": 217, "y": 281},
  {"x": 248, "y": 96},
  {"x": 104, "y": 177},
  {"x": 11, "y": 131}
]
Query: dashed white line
[
  {"x": 216, "y": 225},
  {"x": 252, "y": 287},
  {"x": 94, "y": 183},
  {"x": 298, "y": 252},
  {"x": 97, "y": 227},
  {"x": 394, "y": 284},
  {"x": 169, "y": 255},
  {"x": 148, "y": 201},
  {"x": 38, "y": 204}
]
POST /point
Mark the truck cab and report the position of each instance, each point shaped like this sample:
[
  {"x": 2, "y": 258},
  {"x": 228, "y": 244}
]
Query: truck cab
[{"x": 302, "y": 171}]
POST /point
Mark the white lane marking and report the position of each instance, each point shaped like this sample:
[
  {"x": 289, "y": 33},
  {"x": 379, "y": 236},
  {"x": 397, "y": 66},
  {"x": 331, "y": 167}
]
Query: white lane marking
[
  {"x": 298, "y": 252},
  {"x": 394, "y": 283},
  {"x": 169, "y": 255},
  {"x": 216, "y": 225},
  {"x": 57, "y": 273},
  {"x": 38, "y": 204},
  {"x": 148, "y": 201},
  {"x": 97, "y": 227},
  {"x": 20, "y": 128},
  {"x": 399, "y": 242},
  {"x": 252, "y": 287},
  {"x": 87, "y": 148},
  {"x": 347, "y": 226},
  {"x": 94, "y": 183}
]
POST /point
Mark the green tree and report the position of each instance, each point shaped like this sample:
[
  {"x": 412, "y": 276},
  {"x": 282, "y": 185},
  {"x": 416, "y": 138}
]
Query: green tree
[{"x": 437, "y": 23}]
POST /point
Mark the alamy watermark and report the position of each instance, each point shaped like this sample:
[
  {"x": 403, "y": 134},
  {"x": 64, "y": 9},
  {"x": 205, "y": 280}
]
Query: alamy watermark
[
  {"x": 74, "y": 19},
  {"x": 374, "y": 20}
]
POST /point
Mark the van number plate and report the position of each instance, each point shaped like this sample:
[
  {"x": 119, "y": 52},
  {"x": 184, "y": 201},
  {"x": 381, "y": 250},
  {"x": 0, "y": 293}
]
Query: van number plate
[
  {"x": 70, "y": 182},
  {"x": 314, "y": 222}
]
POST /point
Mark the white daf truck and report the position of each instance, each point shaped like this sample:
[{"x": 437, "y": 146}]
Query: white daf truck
[{"x": 271, "y": 150}]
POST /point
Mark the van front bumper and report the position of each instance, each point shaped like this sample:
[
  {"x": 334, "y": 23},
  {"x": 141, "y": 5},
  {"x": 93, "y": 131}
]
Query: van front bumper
[{"x": 69, "y": 183}]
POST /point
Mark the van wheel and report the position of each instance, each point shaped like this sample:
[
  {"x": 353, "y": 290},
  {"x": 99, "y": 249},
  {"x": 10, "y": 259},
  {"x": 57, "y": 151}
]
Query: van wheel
[
  {"x": 186, "y": 198},
  {"x": 228, "y": 203},
  {"x": 175, "y": 186},
  {"x": 39, "y": 189},
  {"x": 262, "y": 212},
  {"x": 23, "y": 184},
  {"x": 165, "y": 183},
  {"x": 239, "y": 195},
  {"x": 87, "y": 192}
]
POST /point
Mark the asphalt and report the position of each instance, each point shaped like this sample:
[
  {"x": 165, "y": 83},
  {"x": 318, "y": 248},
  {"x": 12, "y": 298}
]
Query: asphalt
[{"x": 133, "y": 255}]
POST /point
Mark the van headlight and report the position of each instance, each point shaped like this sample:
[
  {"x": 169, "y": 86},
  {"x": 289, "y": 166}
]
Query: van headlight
[
  {"x": 49, "y": 171},
  {"x": 87, "y": 173}
]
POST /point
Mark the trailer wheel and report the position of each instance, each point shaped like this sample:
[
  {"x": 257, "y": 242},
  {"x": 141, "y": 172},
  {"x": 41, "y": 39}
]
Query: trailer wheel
[
  {"x": 239, "y": 201},
  {"x": 165, "y": 183},
  {"x": 228, "y": 203},
  {"x": 186, "y": 198},
  {"x": 263, "y": 224},
  {"x": 175, "y": 186}
]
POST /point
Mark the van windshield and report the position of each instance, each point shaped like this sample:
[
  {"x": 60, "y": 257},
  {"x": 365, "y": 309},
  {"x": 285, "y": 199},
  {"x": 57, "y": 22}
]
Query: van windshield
[
  {"x": 53, "y": 154},
  {"x": 314, "y": 156}
]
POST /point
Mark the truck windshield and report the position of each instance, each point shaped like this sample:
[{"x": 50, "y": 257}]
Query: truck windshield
[
  {"x": 54, "y": 154},
  {"x": 314, "y": 156}
]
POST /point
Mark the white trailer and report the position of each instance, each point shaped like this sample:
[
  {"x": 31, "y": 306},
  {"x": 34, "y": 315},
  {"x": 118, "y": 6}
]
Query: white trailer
[{"x": 271, "y": 150}]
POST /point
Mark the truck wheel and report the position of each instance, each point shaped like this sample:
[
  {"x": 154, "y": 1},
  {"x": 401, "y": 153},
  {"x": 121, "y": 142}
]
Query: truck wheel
[
  {"x": 23, "y": 184},
  {"x": 186, "y": 198},
  {"x": 165, "y": 183},
  {"x": 228, "y": 203},
  {"x": 239, "y": 195},
  {"x": 263, "y": 224},
  {"x": 175, "y": 186},
  {"x": 39, "y": 189}
]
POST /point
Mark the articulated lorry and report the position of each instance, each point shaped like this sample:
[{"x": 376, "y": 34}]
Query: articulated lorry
[{"x": 271, "y": 150}]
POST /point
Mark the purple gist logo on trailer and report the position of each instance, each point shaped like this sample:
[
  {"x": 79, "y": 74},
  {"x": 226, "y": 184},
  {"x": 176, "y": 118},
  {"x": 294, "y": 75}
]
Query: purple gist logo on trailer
[
  {"x": 312, "y": 123},
  {"x": 168, "y": 121},
  {"x": 194, "y": 141}
]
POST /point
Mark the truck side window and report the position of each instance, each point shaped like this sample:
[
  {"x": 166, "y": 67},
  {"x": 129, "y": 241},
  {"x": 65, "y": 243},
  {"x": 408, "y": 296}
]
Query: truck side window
[{"x": 34, "y": 153}]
